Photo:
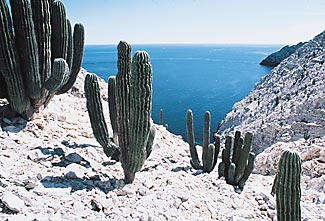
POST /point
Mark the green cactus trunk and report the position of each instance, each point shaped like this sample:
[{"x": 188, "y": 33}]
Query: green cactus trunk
[
  {"x": 9, "y": 65},
  {"x": 123, "y": 84},
  {"x": 161, "y": 117},
  {"x": 43, "y": 30},
  {"x": 286, "y": 187},
  {"x": 195, "y": 162},
  {"x": 140, "y": 107},
  {"x": 27, "y": 46}
]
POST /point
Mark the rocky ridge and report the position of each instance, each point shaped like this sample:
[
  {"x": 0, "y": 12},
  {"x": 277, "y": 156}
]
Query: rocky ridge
[
  {"x": 288, "y": 103},
  {"x": 52, "y": 168},
  {"x": 277, "y": 57}
]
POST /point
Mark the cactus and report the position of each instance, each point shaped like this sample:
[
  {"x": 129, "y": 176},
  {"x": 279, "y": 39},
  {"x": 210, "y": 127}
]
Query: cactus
[
  {"x": 237, "y": 160},
  {"x": 130, "y": 95},
  {"x": 209, "y": 151},
  {"x": 161, "y": 117},
  {"x": 97, "y": 120},
  {"x": 286, "y": 187},
  {"x": 28, "y": 52}
]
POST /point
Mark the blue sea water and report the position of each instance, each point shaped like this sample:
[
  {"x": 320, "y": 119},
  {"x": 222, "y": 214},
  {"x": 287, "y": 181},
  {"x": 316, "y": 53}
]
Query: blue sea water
[{"x": 198, "y": 77}]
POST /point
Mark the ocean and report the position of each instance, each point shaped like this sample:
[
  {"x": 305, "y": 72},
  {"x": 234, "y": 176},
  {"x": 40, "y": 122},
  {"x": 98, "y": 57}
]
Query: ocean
[{"x": 198, "y": 77}]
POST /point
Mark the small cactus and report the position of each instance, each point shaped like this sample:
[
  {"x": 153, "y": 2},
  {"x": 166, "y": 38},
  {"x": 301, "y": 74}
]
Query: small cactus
[
  {"x": 210, "y": 151},
  {"x": 237, "y": 160},
  {"x": 161, "y": 117},
  {"x": 130, "y": 94},
  {"x": 286, "y": 187}
]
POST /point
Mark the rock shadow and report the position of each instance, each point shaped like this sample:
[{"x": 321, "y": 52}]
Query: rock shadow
[
  {"x": 57, "y": 157},
  {"x": 75, "y": 145},
  {"x": 12, "y": 124},
  {"x": 87, "y": 184}
]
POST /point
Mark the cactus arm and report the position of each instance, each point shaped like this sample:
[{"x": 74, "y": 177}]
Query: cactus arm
[
  {"x": 226, "y": 154},
  {"x": 221, "y": 169},
  {"x": 237, "y": 148},
  {"x": 208, "y": 161},
  {"x": 70, "y": 44},
  {"x": 59, "y": 76},
  {"x": 95, "y": 111},
  {"x": 195, "y": 162},
  {"x": 241, "y": 165},
  {"x": 140, "y": 107},
  {"x": 78, "y": 51},
  {"x": 59, "y": 39},
  {"x": 216, "y": 139},
  {"x": 151, "y": 139},
  {"x": 248, "y": 170},
  {"x": 231, "y": 174},
  {"x": 27, "y": 46},
  {"x": 112, "y": 104},
  {"x": 9, "y": 66},
  {"x": 207, "y": 151}
]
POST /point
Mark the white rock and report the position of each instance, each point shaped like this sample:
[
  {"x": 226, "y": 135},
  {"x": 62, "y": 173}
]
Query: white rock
[{"x": 12, "y": 202}]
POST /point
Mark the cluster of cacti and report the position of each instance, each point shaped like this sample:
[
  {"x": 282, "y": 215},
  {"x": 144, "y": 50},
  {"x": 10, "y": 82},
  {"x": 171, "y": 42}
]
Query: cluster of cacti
[
  {"x": 286, "y": 187},
  {"x": 237, "y": 160},
  {"x": 130, "y": 95},
  {"x": 39, "y": 56},
  {"x": 210, "y": 152}
]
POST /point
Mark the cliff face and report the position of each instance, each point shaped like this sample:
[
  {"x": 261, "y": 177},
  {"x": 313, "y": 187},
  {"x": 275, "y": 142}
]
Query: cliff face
[
  {"x": 287, "y": 103},
  {"x": 275, "y": 58}
]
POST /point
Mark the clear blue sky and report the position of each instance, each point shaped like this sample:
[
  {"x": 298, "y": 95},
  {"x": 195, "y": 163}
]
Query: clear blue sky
[{"x": 198, "y": 21}]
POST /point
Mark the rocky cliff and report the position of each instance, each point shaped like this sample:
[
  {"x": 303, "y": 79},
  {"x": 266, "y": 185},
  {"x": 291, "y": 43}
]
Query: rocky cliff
[
  {"x": 275, "y": 58},
  {"x": 286, "y": 104}
]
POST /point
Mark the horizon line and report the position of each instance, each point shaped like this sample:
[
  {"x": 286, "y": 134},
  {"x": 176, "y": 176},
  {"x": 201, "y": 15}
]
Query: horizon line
[{"x": 197, "y": 43}]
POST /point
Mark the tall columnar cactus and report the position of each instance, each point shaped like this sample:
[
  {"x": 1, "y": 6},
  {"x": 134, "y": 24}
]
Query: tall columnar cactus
[
  {"x": 237, "y": 160},
  {"x": 28, "y": 52},
  {"x": 286, "y": 187},
  {"x": 210, "y": 151},
  {"x": 161, "y": 117},
  {"x": 130, "y": 95}
]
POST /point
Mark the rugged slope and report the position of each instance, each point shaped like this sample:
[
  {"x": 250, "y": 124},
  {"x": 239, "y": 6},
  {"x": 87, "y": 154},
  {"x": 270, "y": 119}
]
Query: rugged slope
[
  {"x": 52, "y": 168},
  {"x": 277, "y": 57},
  {"x": 287, "y": 103}
]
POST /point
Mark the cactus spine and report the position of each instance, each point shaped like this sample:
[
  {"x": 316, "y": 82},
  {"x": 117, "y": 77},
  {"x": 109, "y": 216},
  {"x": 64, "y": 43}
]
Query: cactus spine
[
  {"x": 42, "y": 34},
  {"x": 130, "y": 95},
  {"x": 286, "y": 187},
  {"x": 237, "y": 160},
  {"x": 209, "y": 151}
]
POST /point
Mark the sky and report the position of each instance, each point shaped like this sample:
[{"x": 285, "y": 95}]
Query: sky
[{"x": 198, "y": 21}]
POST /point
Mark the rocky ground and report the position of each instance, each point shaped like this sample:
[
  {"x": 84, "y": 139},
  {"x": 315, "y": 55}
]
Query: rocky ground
[{"x": 52, "y": 168}]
